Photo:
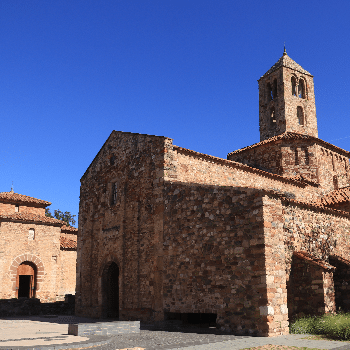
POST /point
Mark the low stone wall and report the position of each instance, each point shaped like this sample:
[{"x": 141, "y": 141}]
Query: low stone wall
[{"x": 33, "y": 306}]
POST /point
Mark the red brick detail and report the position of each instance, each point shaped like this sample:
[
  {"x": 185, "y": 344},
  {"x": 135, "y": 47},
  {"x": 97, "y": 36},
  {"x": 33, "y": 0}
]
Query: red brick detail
[{"x": 19, "y": 260}]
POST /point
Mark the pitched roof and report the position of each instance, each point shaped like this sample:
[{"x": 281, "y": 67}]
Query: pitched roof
[
  {"x": 306, "y": 256},
  {"x": 66, "y": 243},
  {"x": 286, "y": 61},
  {"x": 20, "y": 198},
  {"x": 31, "y": 217},
  {"x": 288, "y": 135},
  {"x": 341, "y": 195},
  {"x": 69, "y": 229}
]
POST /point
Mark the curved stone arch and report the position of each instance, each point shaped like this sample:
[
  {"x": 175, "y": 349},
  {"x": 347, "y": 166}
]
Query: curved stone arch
[
  {"x": 31, "y": 258},
  {"x": 109, "y": 258}
]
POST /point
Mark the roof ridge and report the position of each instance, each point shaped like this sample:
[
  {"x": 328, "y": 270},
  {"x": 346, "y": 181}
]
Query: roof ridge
[
  {"x": 17, "y": 197},
  {"x": 286, "y": 135},
  {"x": 286, "y": 61}
]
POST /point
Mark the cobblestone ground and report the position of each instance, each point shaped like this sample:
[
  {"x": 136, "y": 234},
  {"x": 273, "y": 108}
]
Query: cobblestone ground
[{"x": 193, "y": 338}]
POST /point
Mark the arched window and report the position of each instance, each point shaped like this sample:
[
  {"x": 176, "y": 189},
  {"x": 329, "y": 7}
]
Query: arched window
[
  {"x": 301, "y": 89},
  {"x": 269, "y": 92},
  {"x": 294, "y": 86},
  {"x": 272, "y": 117},
  {"x": 300, "y": 115}
]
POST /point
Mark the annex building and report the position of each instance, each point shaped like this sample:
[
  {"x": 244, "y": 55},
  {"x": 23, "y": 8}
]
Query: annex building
[
  {"x": 37, "y": 253},
  {"x": 246, "y": 242}
]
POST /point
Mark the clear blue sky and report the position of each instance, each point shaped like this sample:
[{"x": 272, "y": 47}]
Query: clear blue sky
[{"x": 73, "y": 71}]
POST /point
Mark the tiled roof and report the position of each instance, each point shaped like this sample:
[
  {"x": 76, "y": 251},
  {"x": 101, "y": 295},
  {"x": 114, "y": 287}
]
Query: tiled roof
[
  {"x": 286, "y": 61},
  {"x": 30, "y": 217},
  {"x": 291, "y": 136},
  {"x": 306, "y": 256},
  {"x": 20, "y": 198},
  {"x": 311, "y": 205},
  {"x": 66, "y": 243},
  {"x": 69, "y": 229},
  {"x": 341, "y": 195}
]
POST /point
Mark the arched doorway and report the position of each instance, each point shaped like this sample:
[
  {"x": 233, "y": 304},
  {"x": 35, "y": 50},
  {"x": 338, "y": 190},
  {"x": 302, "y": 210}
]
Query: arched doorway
[
  {"x": 25, "y": 280},
  {"x": 110, "y": 290}
]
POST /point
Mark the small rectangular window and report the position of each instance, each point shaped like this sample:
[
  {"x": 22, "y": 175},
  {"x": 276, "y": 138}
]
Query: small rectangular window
[
  {"x": 31, "y": 234},
  {"x": 17, "y": 208}
]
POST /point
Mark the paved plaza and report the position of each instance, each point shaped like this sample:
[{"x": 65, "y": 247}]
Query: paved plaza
[{"x": 51, "y": 332}]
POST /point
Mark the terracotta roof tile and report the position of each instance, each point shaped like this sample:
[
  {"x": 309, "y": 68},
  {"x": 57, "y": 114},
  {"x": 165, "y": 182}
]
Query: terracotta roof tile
[
  {"x": 291, "y": 136},
  {"x": 69, "y": 229},
  {"x": 30, "y": 217},
  {"x": 306, "y": 256},
  {"x": 20, "y": 198},
  {"x": 66, "y": 243},
  {"x": 336, "y": 197}
]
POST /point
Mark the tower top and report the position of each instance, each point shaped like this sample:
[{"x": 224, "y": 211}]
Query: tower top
[
  {"x": 286, "y": 61},
  {"x": 286, "y": 100}
]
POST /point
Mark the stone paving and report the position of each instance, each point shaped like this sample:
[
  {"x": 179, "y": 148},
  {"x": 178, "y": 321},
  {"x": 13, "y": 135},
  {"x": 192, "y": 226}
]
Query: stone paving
[{"x": 52, "y": 333}]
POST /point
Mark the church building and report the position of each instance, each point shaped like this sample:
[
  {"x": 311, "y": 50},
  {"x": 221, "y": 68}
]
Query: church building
[
  {"x": 37, "y": 253},
  {"x": 246, "y": 243}
]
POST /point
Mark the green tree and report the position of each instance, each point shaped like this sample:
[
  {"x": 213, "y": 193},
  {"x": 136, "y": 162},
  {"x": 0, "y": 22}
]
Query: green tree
[{"x": 66, "y": 216}]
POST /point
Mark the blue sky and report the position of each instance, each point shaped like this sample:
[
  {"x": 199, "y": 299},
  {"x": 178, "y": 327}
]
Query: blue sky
[{"x": 73, "y": 71}]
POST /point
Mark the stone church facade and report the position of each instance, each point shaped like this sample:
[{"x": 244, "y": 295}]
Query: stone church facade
[
  {"x": 37, "y": 253},
  {"x": 246, "y": 242}
]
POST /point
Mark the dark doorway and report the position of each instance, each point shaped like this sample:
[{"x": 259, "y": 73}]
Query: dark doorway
[
  {"x": 111, "y": 291},
  {"x": 25, "y": 280},
  {"x": 341, "y": 278},
  {"x": 24, "y": 286}
]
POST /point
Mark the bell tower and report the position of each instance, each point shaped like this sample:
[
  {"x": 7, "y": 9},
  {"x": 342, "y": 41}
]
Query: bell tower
[{"x": 286, "y": 100}]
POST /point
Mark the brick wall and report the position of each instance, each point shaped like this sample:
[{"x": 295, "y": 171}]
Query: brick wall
[
  {"x": 52, "y": 268},
  {"x": 10, "y": 208}
]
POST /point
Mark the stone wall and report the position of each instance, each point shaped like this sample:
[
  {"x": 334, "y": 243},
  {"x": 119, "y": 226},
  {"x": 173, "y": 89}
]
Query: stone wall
[
  {"x": 284, "y": 104},
  {"x": 214, "y": 254},
  {"x": 193, "y": 167},
  {"x": 127, "y": 231}
]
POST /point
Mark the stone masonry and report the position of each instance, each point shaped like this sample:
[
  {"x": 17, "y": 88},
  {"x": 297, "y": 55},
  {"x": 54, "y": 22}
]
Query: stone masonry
[{"x": 166, "y": 232}]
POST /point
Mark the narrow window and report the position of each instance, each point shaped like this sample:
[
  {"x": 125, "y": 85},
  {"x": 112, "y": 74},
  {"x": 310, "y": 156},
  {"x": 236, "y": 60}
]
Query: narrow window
[
  {"x": 31, "y": 234},
  {"x": 17, "y": 208},
  {"x": 301, "y": 89},
  {"x": 269, "y": 92},
  {"x": 112, "y": 160},
  {"x": 307, "y": 157},
  {"x": 296, "y": 156},
  {"x": 114, "y": 193},
  {"x": 272, "y": 117},
  {"x": 335, "y": 182},
  {"x": 274, "y": 91},
  {"x": 294, "y": 85},
  {"x": 300, "y": 115}
]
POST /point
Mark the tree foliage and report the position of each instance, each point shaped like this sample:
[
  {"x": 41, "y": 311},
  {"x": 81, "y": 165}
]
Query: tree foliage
[{"x": 66, "y": 216}]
